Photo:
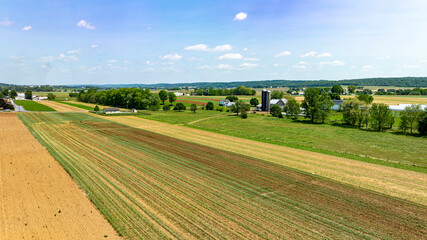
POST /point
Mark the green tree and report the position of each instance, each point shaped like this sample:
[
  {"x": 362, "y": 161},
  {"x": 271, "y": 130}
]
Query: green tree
[
  {"x": 337, "y": 89},
  {"x": 381, "y": 116},
  {"x": 275, "y": 110},
  {"x": 351, "y": 89},
  {"x": 13, "y": 94},
  {"x": 179, "y": 107},
  {"x": 244, "y": 115},
  {"x": 166, "y": 107},
  {"x": 5, "y": 92},
  {"x": 232, "y": 98},
  {"x": 254, "y": 102},
  {"x": 240, "y": 107},
  {"x": 29, "y": 94},
  {"x": 210, "y": 106},
  {"x": 193, "y": 107},
  {"x": 366, "y": 98},
  {"x": 277, "y": 94},
  {"x": 410, "y": 117},
  {"x": 51, "y": 96},
  {"x": 96, "y": 109},
  {"x": 422, "y": 123},
  {"x": 172, "y": 97},
  {"x": 2, "y": 95},
  {"x": 317, "y": 104},
  {"x": 154, "y": 102},
  {"x": 163, "y": 95},
  {"x": 292, "y": 108},
  {"x": 350, "y": 109}
]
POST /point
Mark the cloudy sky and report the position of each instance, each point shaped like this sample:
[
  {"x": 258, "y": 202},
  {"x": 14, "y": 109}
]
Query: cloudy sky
[{"x": 98, "y": 42}]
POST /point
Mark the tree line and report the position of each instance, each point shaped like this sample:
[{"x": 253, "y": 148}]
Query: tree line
[{"x": 241, "y": 90}]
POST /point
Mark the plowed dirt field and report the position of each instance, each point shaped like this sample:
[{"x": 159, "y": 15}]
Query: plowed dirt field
[
  {"x": 38, "y": 199},
  {"x": 151, "y": 186}
]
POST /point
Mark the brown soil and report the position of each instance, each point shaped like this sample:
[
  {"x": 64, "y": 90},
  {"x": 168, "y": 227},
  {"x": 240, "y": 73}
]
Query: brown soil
[
  {"x": 60, "y": 107},
  {"x": 38, "y": 199},
  {"x": 395, "y": 182}
]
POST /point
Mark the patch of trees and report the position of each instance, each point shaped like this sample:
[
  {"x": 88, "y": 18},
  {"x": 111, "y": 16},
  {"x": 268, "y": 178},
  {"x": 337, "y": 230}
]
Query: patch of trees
[
  {"x": 5, "y": 104},
  {"x": 123, "y": 97},
  {"x": 51, "y": 96},
  {"x": 28, "y": 94},
  {"x": 240, "y": 107},
  {"x": 241, "y": 90},
  {"x": 179, "y": 107},
  {"x": 317, "y": 104}
]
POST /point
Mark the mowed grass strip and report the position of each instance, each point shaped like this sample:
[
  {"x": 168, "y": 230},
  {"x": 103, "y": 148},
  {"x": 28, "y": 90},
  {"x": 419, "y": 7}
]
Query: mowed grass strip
[
  {"x": 395, "y": 182},
  {"x": 153, "y": 186},
  {"x": 30, "y": 105}
]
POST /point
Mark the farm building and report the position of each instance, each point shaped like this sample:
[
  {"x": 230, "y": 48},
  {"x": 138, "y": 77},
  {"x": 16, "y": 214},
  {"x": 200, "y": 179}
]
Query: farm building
[
  {"x": 265, "y": 100},
  {"x": 280, "y": 102},
  {"x": 226, "y": 103},
  {"x": 111, "y": 110},
  {"x": 337, "y": 104}
]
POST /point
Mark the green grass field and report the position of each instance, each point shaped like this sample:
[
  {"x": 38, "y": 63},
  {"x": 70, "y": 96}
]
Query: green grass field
[
  {"x": 385, "y": 148},
  {"x": 150, "y": 186},
  {"x": 30, "y": 105},
  {"x": 60, "y": 96}
]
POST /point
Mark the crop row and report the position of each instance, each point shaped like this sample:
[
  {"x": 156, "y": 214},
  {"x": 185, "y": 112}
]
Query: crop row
[{"x": 152, "y": 186}]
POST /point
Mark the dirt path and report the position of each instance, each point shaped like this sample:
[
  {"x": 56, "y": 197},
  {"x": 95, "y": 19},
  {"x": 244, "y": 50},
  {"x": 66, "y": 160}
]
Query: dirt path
[
  {"x": 38, "y": 199},
  {"x": 390, "y": 181},
  {"x": 202, "y": 119},
  {"x": 60, "y": 107}
]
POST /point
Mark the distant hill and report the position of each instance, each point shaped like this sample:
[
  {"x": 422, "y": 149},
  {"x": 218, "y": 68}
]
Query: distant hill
[{"x": 398, "y": 82}]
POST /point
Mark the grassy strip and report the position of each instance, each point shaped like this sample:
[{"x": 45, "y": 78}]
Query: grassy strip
[
  {"x": 77, "y": 105},
  {"x": 30, "y": 105},
  {"x": 388, "y": 149}
]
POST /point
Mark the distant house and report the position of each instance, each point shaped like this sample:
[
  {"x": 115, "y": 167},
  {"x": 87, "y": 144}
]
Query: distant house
[
  {"x": 226, "y": 103},
  {"x": 178, "y": 94},
  {"x": 337, "y": 104},
  {"x": 280, "y": 102},
  {"x": 111, "y": 110},
  {"x": 134, "y": 110}
]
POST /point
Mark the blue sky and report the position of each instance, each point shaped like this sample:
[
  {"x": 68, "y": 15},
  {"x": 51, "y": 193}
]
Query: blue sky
[{"x": 99, "y": 42}]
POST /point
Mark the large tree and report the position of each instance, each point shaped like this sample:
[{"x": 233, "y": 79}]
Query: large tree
[
  {"x": 240, "y": 107},
  {"x": 51, "y": 96},
  {"x": 210, "y": 106},
  {"x": 29, "y": 94},
  {"x": 410, "y": 117},
  {"x": 317, "y": 104},
  {"x": 366, "y": 98},
  {"x": 381, "y": 116},
  {"x": 275, "y": 111},
  {"x": 422, "y": 123},
  {"x": 154, "y": 102},
  {"x": 172, "y": 97},
  {"x": 163, "y": 96},
  {"x": 277, "y": 94},
  {"x": 179, "y": 107},
  {"x": 292, "y": 108},
  {"x": 351, "y": 89},
  {"x": 254, "y": 102},
  {"x": 13, "y": 94},
  {"x": 193, "y": 107},
  {"x": 337, "y": 89}
]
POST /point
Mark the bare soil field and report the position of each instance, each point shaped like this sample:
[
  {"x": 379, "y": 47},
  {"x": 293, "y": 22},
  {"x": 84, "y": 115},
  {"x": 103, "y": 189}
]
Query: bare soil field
[
  {"x": 38, "y": 199},
  {"x": 395, "y": 182},
  {"x": 61, "y": 107},
  {"x": 151, "y": 186}
]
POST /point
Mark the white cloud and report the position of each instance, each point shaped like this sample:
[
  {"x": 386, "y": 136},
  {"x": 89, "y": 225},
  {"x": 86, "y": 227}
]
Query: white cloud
[
  {"x": 26, "y": 28},
  {"x": 66, "y": 58},
  {"x": 251, "y": 59},
  {"x": 85, "y": 24},
  {"x": 220, "y": 66},
  {"x": 205, "y": 48},
  {"x": 282, "y": 54},
  {"x": 224, "y": 66},
  {"x": 410, "y": 66},
  {"x": 279, "y": 64},
  {"x": 44, "y": 66},
  {"x": 383, "y": 58},
  {"x": 172, "y": 57},
  {"x": 249, "y": 65},
  {"x": 366, "y": 68},
  {"x": 111, "y": 61},
  {"x": 75, "y": 51},
  {"x": 46, "y": 59},
  {"x": 231, "y": 56},
  {"x": 422, "y": 61},
  {"x": 325, "y": 54},
  {"x": 245, "y": 49},
  {"x": 93, "y": 46},
  {"x": 309, "y": 54},
  {"x": 333, "y": 63},
  {"x": 241, "y": 16},
  {"x": 5, "y": 22},
  {"x": 300, "y": 65}
]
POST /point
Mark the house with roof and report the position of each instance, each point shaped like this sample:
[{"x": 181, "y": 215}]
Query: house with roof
[
  {"x": 226, "y": 103},
  {"x": 280, "y": 102},
  {"x": 111, "y": 110}
]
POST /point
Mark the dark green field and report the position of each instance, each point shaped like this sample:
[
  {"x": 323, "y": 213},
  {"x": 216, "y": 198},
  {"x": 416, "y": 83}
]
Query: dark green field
[{"x": 30, "y": 105}]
